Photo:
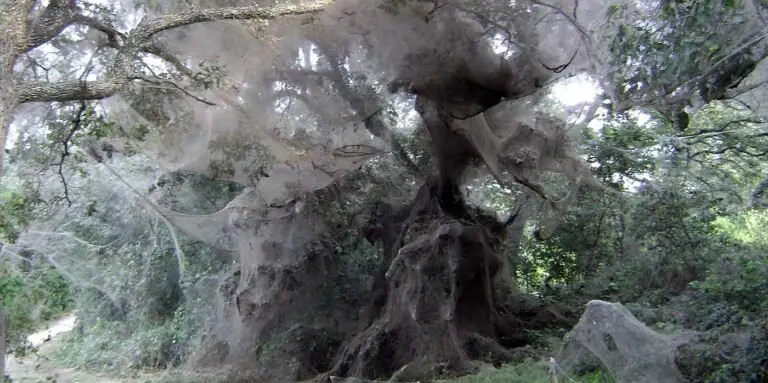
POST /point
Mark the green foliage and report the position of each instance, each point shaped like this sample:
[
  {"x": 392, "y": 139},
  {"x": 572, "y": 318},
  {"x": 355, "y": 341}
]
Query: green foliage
[
  {"x": 545, "y": 262},
  {"x": 356, "y": 260},
  {"x": 54, "y": 290},
  {"x": 30, "y": 298},
  {"x": 16, "y": 212},
  {"x": 749, "y": 228},
  {"x": 598, "y": 376},
  {"x": 529, "y": 371},
  {"x": 739, "y": 275},
  {"x": 19, "y": 319},
  {"x": 743, "y": 365},
  {"x": 624, "y": 148},
  {"x": 11, "y": 286},
  {"x": 118, "y": 346},
  {"x": 137, "y": 310},
  {"x": 737, "y": 281},
  {"x": 732, "y": 344},
  {"x": 697, "y": 40}
]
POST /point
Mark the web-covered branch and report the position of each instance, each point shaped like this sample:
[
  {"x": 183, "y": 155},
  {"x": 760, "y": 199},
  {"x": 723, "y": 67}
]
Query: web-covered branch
[{"x": 135, "y": 42}]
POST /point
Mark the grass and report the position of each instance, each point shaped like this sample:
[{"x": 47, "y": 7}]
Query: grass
[{"x": 527, "y": 372}]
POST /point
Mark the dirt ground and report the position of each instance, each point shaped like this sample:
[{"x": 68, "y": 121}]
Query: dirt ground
[{"x": 41, "y": 367}]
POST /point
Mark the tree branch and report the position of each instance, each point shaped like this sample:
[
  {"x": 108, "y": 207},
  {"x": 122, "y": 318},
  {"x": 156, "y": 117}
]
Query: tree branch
[
  {"x": 568, "y": 17},
  {"x": 113, "y": 35},
  {"x": 57, "y": 16},
  {"x": 148, "y": 28},
  {"x": 76, "y": 124},
  {"x": 717, "y": 82},
  {"x": 309, "y": 102},
  {"x": 373, "y": 122},
  {"x": 137, "y": 41},
  {"x": 69, "y": 90},
  {"x": 721, "y": 129},
  {"x": 160, "y": 52},
  {"x": 172, "y": 84}
]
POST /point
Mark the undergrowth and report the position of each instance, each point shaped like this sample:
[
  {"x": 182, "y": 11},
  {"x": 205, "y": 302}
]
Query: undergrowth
[
  {"x": 31, "y": 296},
  {"x": 114, "y": 346},
  {"x": 529, "y": 371}
]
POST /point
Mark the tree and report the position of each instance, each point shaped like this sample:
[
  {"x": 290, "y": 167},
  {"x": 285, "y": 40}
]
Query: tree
[
  {"x": 457, "y": 110},
  {"x": 41, "y": 25},
  {"x": 366, "y": 113}
]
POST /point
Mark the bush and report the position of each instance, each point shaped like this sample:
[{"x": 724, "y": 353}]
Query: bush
[
  {"x": 729, "y": 353},
  {"x": 116, "y": 346},
  {"x": 529, "y": 371},
  {"x": 737, "y": 281},
  {"x": 30, "y": 298},
  {"x": 18, "y": 314},
  {"x": 728, "y": 310}
]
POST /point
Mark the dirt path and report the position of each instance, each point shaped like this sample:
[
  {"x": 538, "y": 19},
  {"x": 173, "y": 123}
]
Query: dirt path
[{"x": 41, "y": 367}]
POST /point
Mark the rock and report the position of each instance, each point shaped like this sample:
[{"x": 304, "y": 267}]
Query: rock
[{"x": 625, "y": 347}]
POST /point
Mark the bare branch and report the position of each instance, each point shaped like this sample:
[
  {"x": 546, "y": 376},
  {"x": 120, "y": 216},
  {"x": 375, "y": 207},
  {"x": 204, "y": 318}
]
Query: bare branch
[
  {"x": 76, "y": 125},
  {"x": 160, "y": 52},
  {"x": 571, "y": 19},
  {"x": 703, "y": 133},
  {"x": 172, "y": 84},
  {"x": 113, "y": 35}
]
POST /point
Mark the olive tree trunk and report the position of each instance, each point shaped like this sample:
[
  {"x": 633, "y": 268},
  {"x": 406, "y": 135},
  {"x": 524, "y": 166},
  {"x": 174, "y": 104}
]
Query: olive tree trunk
[
  {"x": 13, "y": 39},
  {"x": 13, "y": 36},
  {"x": 2, "y": 345}
]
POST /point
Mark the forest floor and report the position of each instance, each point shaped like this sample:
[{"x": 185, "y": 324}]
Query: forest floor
[{"x": 41, "y": 366}]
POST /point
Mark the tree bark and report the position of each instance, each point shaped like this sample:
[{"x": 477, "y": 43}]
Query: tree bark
[
  {"x": 440, "y": 311},
  {"x": 13, "y": 39},
  {"x": 3, "y": 351},
  {"x": 513, "y": 243}
]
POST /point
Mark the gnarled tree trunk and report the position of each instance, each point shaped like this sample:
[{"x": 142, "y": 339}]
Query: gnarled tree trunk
[
  {"x": 440, "y": 310},
  {"x": 3, "y": 350},
  {"x": 13, "y": 40},
  {"x": 13, "y": 36}
]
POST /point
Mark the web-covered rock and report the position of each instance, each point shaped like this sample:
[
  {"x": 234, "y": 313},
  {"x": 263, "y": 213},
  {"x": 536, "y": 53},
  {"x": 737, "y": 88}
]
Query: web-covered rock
[{"x": 624, "y": 346}]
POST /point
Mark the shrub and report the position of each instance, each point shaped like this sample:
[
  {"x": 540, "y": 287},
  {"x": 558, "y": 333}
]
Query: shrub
[
  {"x": 529, "y": 371},
  {"x": 30, "y": 298},
  {"x": 737, "y": 280},
  {"x": 116, "y": 346}
]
